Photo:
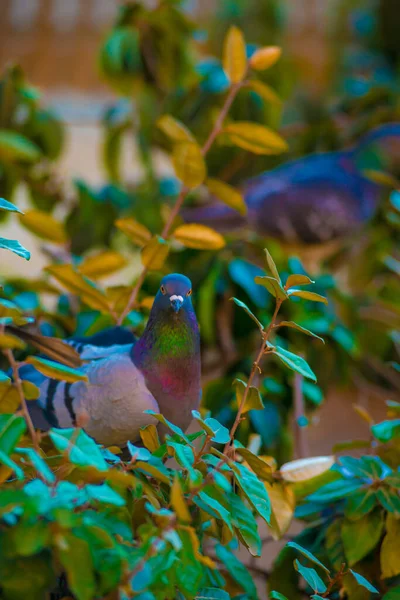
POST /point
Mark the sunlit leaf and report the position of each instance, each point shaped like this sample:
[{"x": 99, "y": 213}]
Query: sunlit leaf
[
  {"x": 264, "y": 91},
  {"x": 81, "y": 286},
  {"x": 154, "y": 253},
  {"x": 255, "y": 138},
  {"x": 306, "y": 468},
  {"x": 8, "y": 340},
  {"x": 294, "y": 362},
  {"x": 253, "y": 398},
  {"x": 227, "y": 194},
  {"x": 256, "y": 463},
  {"x": 9, "y": 206},
  {"x": 293, "y": 280},
  {"x": 201, "y": 237},
  {"x": 293, "y": 325},
  {"x": 189, "y": 164},
  {"x": 306, "y": 295},
  {"x": 44, "y": 226},
  {"x": 149, "y": 437},
  {"x": 56, "y": 370},
  {"x": 14, "y": 246},
  {"x": 178, "y": 502},
  {"x": 174, "y": 129},
  {"x": 137, "y": 233},
  {"x": 390, "y": 550},
  {"x": 273, "y": 286},
  {"x": 271, "y": 265},
  {"x": 234, "y": 59},
  {"x": 265, "y": 57},
  {"x": 102, "y": 264},
  {"x": 248, "y": 311},
  {"x": 283, "y": 504}
]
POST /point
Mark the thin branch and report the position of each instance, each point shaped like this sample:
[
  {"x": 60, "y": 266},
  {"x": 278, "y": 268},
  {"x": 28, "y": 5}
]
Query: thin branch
[
  {"x": 216, "y": 130},
  {"x": 18, "y": 384}
]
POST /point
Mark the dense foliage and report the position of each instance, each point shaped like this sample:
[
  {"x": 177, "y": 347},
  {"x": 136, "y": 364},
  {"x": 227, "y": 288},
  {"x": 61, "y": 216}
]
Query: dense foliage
[{"x": 166, "y": 520}]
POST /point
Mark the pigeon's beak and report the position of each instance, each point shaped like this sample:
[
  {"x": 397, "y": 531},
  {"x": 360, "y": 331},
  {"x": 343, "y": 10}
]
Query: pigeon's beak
[{"x": 176, "y": 303}]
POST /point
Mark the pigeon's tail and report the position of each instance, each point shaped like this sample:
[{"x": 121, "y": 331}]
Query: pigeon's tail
[
  {"x": 52, "y": 347},
  {"x": 219, "y": 216},
  {"x": 381, "y": 132}
]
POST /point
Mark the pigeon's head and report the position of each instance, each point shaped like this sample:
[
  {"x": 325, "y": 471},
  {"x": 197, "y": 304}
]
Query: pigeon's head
[{"x": 174, "y": 294}]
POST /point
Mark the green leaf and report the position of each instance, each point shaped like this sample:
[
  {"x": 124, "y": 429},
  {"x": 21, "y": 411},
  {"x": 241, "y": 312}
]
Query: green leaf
[
  {"x": 237, "y": 570},
  {"x": 253, "y": 399},
  {"x": 210, "y": 593},
  {"x": 227, "y": 194},
  {"x": 154, "y": 253},
  {"x": 14, "y": 246},
  {"x": 168, "y": 424},
  {"x": 390, "y": 549},
  {"x": 217, "y": 432},
  {"x": 254, "y": 490},
  {"x": 298, "y": 280},
  {"x": 360, "y": 537},
  {"x": 277, "y": 596},
  {"x": 386, "y": 430},
  {"x": 307, "y": 555},
  {"x": 393, "y": 594},
  {"x": 255, "y": 138},
  {"x": 311, "y": 577},
  {"x": 364, "y": 582},
  {"x": 174, "y": 129},
  {"x": 294, "y": 325},
  {"x": 246, "y": 524},
  {"x": 183, "y": 454},
  {"x": 199, "y": 237},
  {"x": 272, "y": 285},
  {"x": 248, "y": 311},
  {"x": 16, "y": 147},
  {"x": 38, "y": 463},
  {"x": 56, "y": 370},
  {"x": 216, "y": 507},
  {"x": 104, "y": 493},
  {"x": 294, "y": 362},
  {"x": 336, "y": 490},
  {"x": 75, "y": 556},
  {"x": 306, "y": 295},
  {"x": 334, "y": 545},
  {"x": 12, "y": 428},
  {"x": 234, "y": 59},
  {"x": 82, "y": 449},
  {"x": 272, "y": 266},
  {"x": 189, "y": 164},
  {"x": 5, "y": 205}
]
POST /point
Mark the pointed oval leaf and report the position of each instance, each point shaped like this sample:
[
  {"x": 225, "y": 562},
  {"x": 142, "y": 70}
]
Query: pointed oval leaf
[
  {"x": 81, "y": 286},
  {"x": 306, "y": 295},
  {"x": 234, "y": 59},
  {"x": 137, "y": 233},
  {"x": 16, "y": 247},
  {"x": 15, "y": 147},
  {"x": 306, "y": 468},
  {"x": 227, "y": 194},
  {"x": 272, "y": 285},
  {"x": 283, "y": 504},
  {"x": 298, "y": 280},
  {"x": 294, "y": 362},
  {"x": 189, "y": 164},
  {"x": 102, "y": 264},
  {"x": 264, "y": 91},
  {"x": 174, "y": 129},
  {"x": 149, "y": 437},
  {"x": 210, "y": 593},
  {"x": 243, "y": 519},
  {"x": 367, "y": 531},
  {"x": 256, "y": 463},
  {"x": 178, "y": 502},
  {"x": 8, "y": 340},
  {"x": 311, "y": 577},
  {"x": 154, "y": 253},
  {"x": 308, "y": 555},
  {"x": 56, "y": 370},
  {"x": 264, "y": 58},
  {"x": 294, "y": 325},
  {"x": 271, "y": 265},
  {"x": 364, "y": 582},
  {"x": 255, "y": 138},
  {"x": 277, "y": 596},
  {"x": 248, "y": 311},
  {"x": 6, "y": 205},
  {"x": 253, "y": 398},
  {"x": 200, "y": 237},
  {"x": 254, "y": 490},
  {"x": 44, "y": 226},
  {"x": 168, "y": 424}
]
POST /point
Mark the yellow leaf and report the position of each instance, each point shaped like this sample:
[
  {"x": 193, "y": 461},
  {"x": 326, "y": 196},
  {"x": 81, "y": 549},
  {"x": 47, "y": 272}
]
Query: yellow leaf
[
  {"x": 308, "y": 295},
  {"x": 7, "y": 340},
  {"x": 56, "y": 370},
  {"x": 381, "y": 178},
  {"x": 31, "y": 391},
  {"x": 283, "y": 505},
  {"x": 149, "y": 437},
  {"x": 155, "y": 253},
  {"x": 227, "y": 194},
  {"x": 264, "y": 91},
  {"x": 255, "y": 138},
  {"x": 174, "y": 129},
  {"x": 390, "y": 550},
  {"x": 234, "y": 59},
  {"x": 178, "y": 502},
  {"x": 9, "y": 399},
  {"x": 44, "y": 226},
  {"x": 79, "y": 285},
  {"x": 198, "y": 236},
  {"x": 253, "y": 398},
  {"x": 206, "y": 560},
  {"x": 306, "y": 468},
  {"x": 118, "y": 296},
  {"x": 363, "y": 413},
  {"x": 189, "y": 164},
  {"x": 147, "y": 302},
  {"x": 264, "y": 58},
  {"x": 102, "y": 264},
  {"x": 137, "y": 233}
]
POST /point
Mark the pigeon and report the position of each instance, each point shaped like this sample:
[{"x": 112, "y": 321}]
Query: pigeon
[
  {"x": 312, "y": 200},
  {"x": 126, "y": 377}
]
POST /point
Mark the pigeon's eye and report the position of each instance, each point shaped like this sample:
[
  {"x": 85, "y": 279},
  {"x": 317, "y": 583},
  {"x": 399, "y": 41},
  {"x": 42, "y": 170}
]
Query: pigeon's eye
[
  {"x": 189, "y": 293},
  {"x": 163, "y": 290}
]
